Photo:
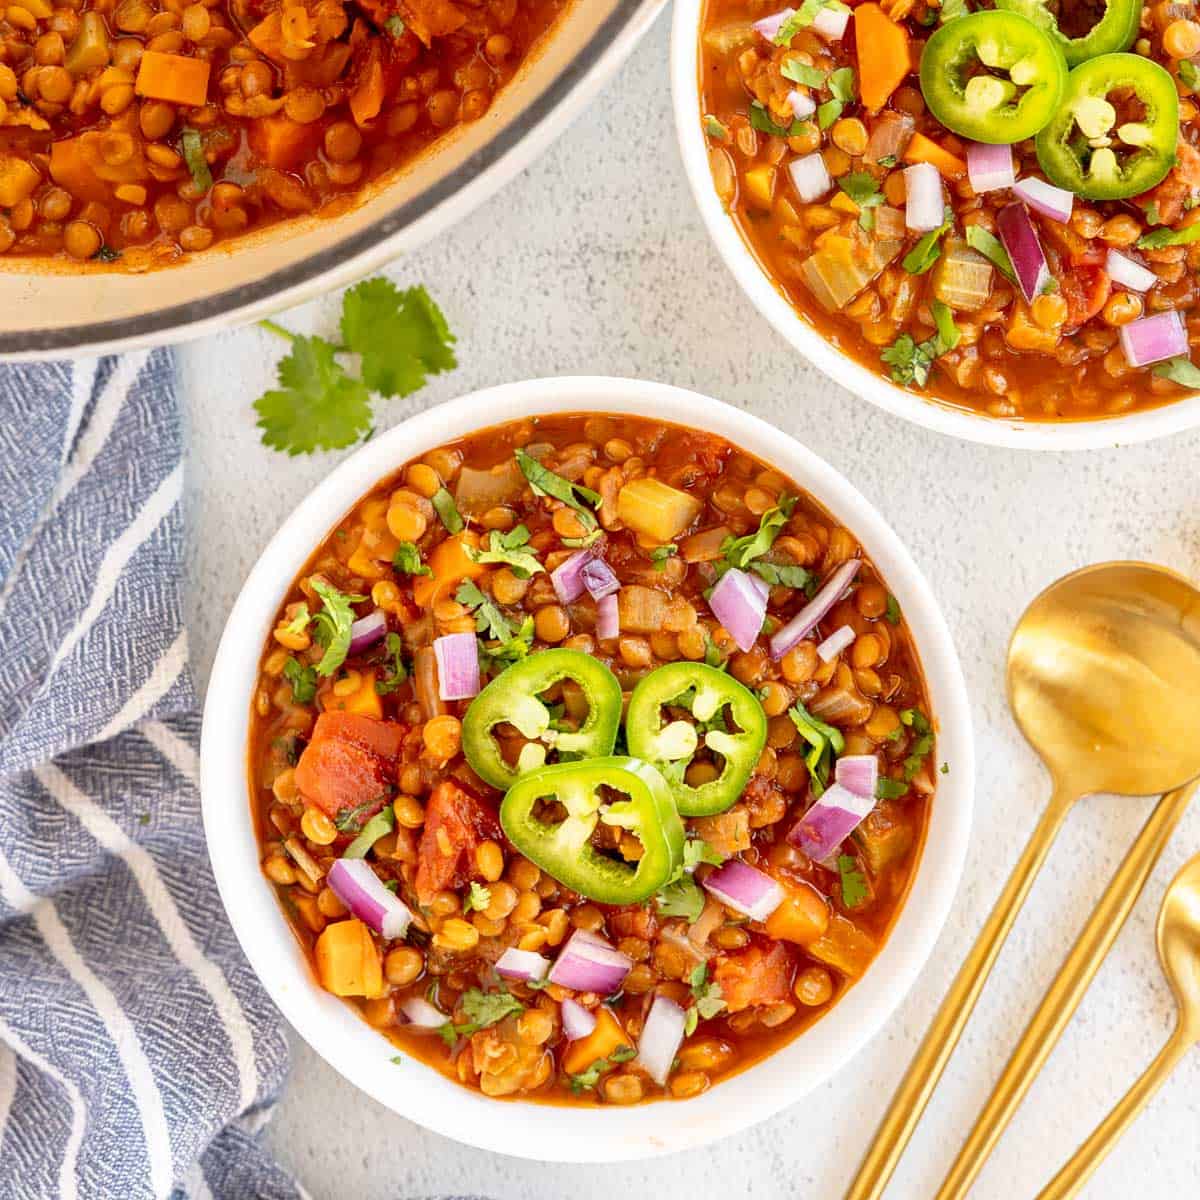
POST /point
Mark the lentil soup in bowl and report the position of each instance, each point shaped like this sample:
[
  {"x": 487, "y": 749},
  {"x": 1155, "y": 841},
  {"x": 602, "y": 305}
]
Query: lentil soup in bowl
[
  {"x": 982, "y": 253},
  {"x": 559, "y": 753}
]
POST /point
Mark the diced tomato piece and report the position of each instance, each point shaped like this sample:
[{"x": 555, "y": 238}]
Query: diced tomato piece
[
  {"x": 456, "y": 821},
  {"x": 1076, "y": 249},
  {"x": 755, "y": 977},
  {"x": 1086, "y": 291},
  {"x": 1180, "y": 185},
  {"x": 350, "y": 763}
]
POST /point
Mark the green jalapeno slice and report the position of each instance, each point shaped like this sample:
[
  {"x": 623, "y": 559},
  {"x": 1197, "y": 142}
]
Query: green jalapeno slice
[
  {"x": 551, "y": 814},
  {"x": 706, "y": 693},
  {"x": 1116, "y": 30},
  {"x": 992, "y": 77},
  {"x": 513, "y": 698},
  {"x": 1116, "y": 132}
]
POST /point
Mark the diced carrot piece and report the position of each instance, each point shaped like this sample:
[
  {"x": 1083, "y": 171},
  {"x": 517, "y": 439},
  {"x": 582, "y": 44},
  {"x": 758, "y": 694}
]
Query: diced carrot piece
[
  {"x": 367, "y": 97},
  {"x": 801, "y": 918},
  {"x": 18, "y": 180},
  {"x": 348, "y": 962},
  {"x": 283, "y": 143},
  {"x": 267, "y": 36},
  {"x": 883, "y": 55},
  {"x": 455, "y": 823},
  {"x": 363, "y": 702},
  {"x": 602, "y": 1042},
  {"x": 923, "y": 149},
  {"x": 755, "y": 977},
  {"x": 450, "y": 565},
  {"x": 174, "y": 78},
  {"x": 844, "y": 947}
]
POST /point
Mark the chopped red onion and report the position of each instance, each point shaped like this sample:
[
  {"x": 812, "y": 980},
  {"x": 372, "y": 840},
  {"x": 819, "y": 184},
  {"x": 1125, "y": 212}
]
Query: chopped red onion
[
  {"x": 1126, "y": 273},
  {"x": 587, "y": 963},
  {"x": 835, "y": 643},
  {"x": 522, "y": 964},
  {"x": 577, "y": 1021},
  {"x": 830, "y": 821},
  {"x": 925, "y": 201},
  {"x": 661, "y": 1038},
  {"x": 739, "y": 606},
  {"x": 366, "y": 631},
  {"x": 567, "y": 577},
  {"x": 831, "y": 22},
  {"x": 422, "y": 1014},
  {"x": 1053, "y": 202},
  {"x": 763, "y": 586},
  {"x": 802, "y": 104},
  {"x": 745, "y": 889},
  {"x": 1152, "y": 339},
  {"x": 990, "y": 168},
  {"x": 358, "y": 887},
  {"x": 810, "y": 177},
  {"x": 770, "y": 26},
  {"x": 599, "y": 579},
  {"x": 1020, "y": 239},
  {"x": 608, "y": 619},
  {"x": 814, "y": 611},
  {"x": 457, "y": 666},
  {"x": 858, "y": 773}
]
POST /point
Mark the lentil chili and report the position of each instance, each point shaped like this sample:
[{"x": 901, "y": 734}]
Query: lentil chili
[
  {"x": 1047, "y": 269},
  {"x": 135, "y": 131},
  {"x": 555, "y": 566}
]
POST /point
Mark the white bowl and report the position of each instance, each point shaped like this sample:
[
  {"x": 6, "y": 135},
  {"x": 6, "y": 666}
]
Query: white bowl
[
  {"x": 416, "y": 1091},
  {"x": 774, "y": 305}
]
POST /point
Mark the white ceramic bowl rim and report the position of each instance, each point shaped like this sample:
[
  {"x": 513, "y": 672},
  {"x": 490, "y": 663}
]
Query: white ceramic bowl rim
[
  {"x": 1133, "y": 427},
  {"x": 418, "y": 1092}
]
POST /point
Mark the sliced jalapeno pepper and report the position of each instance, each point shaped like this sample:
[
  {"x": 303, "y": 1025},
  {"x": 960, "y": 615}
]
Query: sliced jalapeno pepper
[
  {"x": 706, "y": 693},
  {"x": 550, "y": 815},
  {"x": 1116, "y": 29},
  {"x": 513, "y": 697},
  {"x": 992, "y": 77},
  {"x": 1116, "y": 132}
]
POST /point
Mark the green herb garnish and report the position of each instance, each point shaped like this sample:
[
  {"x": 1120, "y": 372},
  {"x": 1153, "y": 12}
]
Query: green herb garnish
[
  {"x": 854, "y": 883},
  {"x": 739, "y": 552},
  {"x": 511, "y": 548},
  {"x": 384, "y": 821},
  {"x": 331, "y": 625},
  {"x": 395, "y": 672},
  {"x": 407, "y": 560},
  {"x": 303, "y": 680},
  {"x": 544, "y": 482},
  {"x": 1156, "y": 239},
  {"x": 990, "y": 246},
  {"x": 197, "y": 164},
  {"x": 1179, "y": 370}
]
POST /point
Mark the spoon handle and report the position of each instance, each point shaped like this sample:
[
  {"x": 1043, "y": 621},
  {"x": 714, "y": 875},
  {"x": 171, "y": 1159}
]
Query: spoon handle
[
  {"x": 1046, "y": 1025},
  {"x": 898, "y": 1124},
  {"x": 1091, "y": 1154}
]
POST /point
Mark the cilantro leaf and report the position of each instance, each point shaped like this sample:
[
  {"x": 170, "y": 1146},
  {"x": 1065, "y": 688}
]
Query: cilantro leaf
[
  {"x": 303, "y": 680},
  {"x": 488, "y": 618},
  {"x": 1156, "y": 239},
  {"x": 317, "y": 406},
  {"x": 1179, "y": 370},
  {"x": 589, "y": 1078},
  {"x": 193, "y": 154},
  {"x": 715, "y": 128},
  {"x": 515, "y": 648},
  {"x": 911, "y": 360},
  {"x": 696, "y": 851},
  {"x": 825, "y": 744},
  {"x": 395, "y": 26},
  {"x": 402, "y": 336},
  {"x": 841, "y": 82},
  {"x": 863, "y": 188},
  {"x": 482, "y": 1009},
  {"x": 892, "y": 614},
  {"x": 478, "y": 898},
  {"x": 660, "y": 554},
  {"x": 990, "y": 246},
  {"x": 511, "y": 548},
  {"x": 799, "y": 72},
  {"x": 916, "y": 720},
  {"x": 828, "y": 112},
  {"x": 333, "y": 624},
  {"x": 739, "y": 552},
  {"x": 544, "y": 482},
  {"x": 803, "y": 17},
  {"x": 407, "y": 560},
  {"x": 948, "y": 333},
  {"x": 395, "y": 670},
  {"x": 299, "y": 622},
  {"x": 890, "y": 789},
  {"x": 854, "y": 883},
  {"x": 682, "y": 898},
  {"x": 706, "y": 992},
  {"x": 1189, "y": 74},
  {"x": 350, "y": 820},
  {"x": 927, "y": 249},
  {"x": 761, "y": 120},
  {"x": 784, "y": 575},
  {"x": 447, "y": 511}
]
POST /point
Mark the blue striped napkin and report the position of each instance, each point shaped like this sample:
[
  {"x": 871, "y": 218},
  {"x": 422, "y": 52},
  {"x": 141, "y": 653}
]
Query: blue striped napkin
[{"x": 138, "y": 1055}]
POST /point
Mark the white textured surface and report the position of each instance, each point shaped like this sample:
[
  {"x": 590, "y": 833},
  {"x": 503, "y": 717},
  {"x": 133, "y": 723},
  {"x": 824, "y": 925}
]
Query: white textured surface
[{"x": 595, "y": 262}]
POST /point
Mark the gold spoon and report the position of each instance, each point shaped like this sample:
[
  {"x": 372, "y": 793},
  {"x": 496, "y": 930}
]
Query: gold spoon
[
  {"x": 1102, "y": 669},
  {"x": 1178, "y": 938}
]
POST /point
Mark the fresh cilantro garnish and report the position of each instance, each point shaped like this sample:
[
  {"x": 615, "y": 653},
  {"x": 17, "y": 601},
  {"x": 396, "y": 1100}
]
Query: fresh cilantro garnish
[
  {"x": 739, "y": 552},
  {"x": 482, "y": 1009},
  {"x": 407, "y": 560},
  {"x": 799, "y": 72},
  {"x": 863, "y": 188},
  {"x": 395, "y": 672},
  {"x": 299, "y": 622},
  {"x": 512, "y": 548},
  {"x": 951, "y": 9},
  {"x": 303, "y": 680},
  {"x": 911, "y": 360},
  {"x": 841, "y": 87},
  {"x": 1156, "y": 239},
  {"x": 589, "y": 1078},
  {"x": 581, "y": 543},
  {"x": 488, "y": 618},
  {"x": 916, "y": 720},
  {"x": 890, "y": 789},
  {"x": 350, "y": 820},
  {"x": 854, "y": 883},
  {"x": 1179, "y": 370},
  {"x": 825, "y": 744},
  {"x": 945, "y": 768},
  {"x": 892, "y": 613},
  {"x": 478, "y": 898},
  {"x": 706, "y": 992},
  {"x": 712, "y": 653},
  {"x": 384, "y": 821},
  {"x": 197, "y": 164},
  {"x": 715, "y": 128},
  {"x": 515, "y": 648},
  {"x": 401, "y": 337},
  {"x": 660, "y": 554},
  {"x": 544, "y": 482},
  {"x": 1152, "y": 213},
  {"x": 928, "y": 249},
  {"x": 1189, "y": 74},
  {"x": 447, "y": 510},
  {"x": 783, "y": 575},
  {"x": 106, "y": 254},
  {"x": 696, "y": 851},
  {"x": 332, "y": 625},
  {"x": 990, "y": 246},
  {"x": 681, "y": 898},
  {"x": 395, "y": 26},
  {"x": 803, "y": 17},
  {"x": 761, "y": 120}
]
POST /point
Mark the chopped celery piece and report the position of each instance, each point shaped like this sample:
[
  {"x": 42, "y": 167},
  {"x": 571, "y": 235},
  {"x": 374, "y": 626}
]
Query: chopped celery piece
[{"x": 962, "y": 278}]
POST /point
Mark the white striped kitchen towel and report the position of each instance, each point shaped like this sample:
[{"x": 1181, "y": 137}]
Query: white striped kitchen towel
[{"x": 138, "y": 1055}]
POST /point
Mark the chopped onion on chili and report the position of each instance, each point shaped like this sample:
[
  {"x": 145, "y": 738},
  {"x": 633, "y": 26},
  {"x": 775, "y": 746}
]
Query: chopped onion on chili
[
  {"x": 858, "y": 773},
  {"x": 744, "y": 889},
  {"x": 990, "y": 168},
  {"x": 810, "y": 177},
  {"x": 770, "y": 26},
  {"x": 802, "y": 104},
  {"x": 739, "y": 606},
  {"x": 835, "y": 643},
  {"x": 831, "y": 23},
  {"x": 457, "y": 666},
  {"x": 567, "y": 577},
  {"x": 1152, "y": 339},
  {"x": 608, "y": 618},
  {"x": 419, "y": 1012},
  {"x": 577, "y": 1021},
  {"x": 661, "y": 1038},
  {"x": 358, "y": 887},
  {"x": 830, "y": 821},
  {"x": 366, "y": 631},
  {"x": 587, "y": 963},
  {"x": 1020, "y": 239},
  {"x": 1053, "y": 202},
  {"x": 813, "y": 612},
  {"x": 599, "y": 579},
  {"x": 925, "y": 201},
  {"x": 522, "y": 964},
  {"x": 1126, "y": 273}
]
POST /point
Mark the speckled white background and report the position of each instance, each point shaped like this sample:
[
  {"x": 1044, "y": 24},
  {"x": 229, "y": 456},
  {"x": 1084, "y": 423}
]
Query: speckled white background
[{"x": 595, "y": 262}]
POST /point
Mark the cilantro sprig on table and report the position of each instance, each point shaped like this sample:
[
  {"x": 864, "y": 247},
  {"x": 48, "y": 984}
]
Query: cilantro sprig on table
[{"x": 401, "y": 337}]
